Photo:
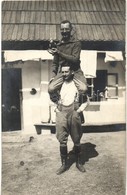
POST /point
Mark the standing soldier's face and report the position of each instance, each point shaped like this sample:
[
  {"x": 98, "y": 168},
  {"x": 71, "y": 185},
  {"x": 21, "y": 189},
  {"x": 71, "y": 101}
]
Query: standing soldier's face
[
  {"x": 66, "y": 73},
  {"x": 65, "y": 31}
]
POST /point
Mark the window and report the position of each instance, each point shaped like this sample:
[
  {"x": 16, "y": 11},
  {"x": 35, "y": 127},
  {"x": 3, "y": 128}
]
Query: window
[
  {"x": 103, "y": 87},
  {"x": 112, "y": 85},
  {"x": 96, "y": 86}
]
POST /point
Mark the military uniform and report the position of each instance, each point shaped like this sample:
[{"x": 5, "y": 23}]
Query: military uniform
[
  {"x": 68, "y": 120},
  {"x": 68, "y": 55}
]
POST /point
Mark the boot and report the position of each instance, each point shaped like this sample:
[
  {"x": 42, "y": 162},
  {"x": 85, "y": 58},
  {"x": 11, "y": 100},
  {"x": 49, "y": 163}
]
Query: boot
[
  {"x": 79, "y": 164},
  {"x": 63, "y": 153}
]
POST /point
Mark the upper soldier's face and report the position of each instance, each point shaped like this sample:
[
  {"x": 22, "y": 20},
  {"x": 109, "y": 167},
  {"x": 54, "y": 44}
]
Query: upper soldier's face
[
  {"x": 66, "y": 72},
  {"x": 65, "y": 31}
]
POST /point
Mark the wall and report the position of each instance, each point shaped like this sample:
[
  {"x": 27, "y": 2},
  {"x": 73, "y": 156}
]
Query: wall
[
  {"x": 112, "y": 110},
  {"x": 35, "y": 108}
]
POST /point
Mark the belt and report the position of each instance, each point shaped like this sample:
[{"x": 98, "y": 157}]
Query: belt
[{"x": 73, "y": 106}]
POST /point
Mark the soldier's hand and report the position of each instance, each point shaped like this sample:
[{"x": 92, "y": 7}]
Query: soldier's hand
[
  {"x": 78, "y": 110},
  {"x": 56, "y": 110},
  {"x": 51, "y": 80},
  {"x": 53, "y": 51}
]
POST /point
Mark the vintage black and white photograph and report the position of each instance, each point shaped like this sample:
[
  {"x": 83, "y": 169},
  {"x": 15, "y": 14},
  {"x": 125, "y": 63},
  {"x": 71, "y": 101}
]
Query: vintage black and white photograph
[{"x": 63, "y": 97}]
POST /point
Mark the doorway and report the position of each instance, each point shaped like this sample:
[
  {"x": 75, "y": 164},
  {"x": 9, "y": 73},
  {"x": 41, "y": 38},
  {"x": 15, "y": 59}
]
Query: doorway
[
  {"x": 100, "y": 82},
  {"x": 11, "y": 86}
]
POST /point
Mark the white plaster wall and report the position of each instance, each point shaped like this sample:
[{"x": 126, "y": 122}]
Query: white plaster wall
[
  {"x": 119, "y": 68},
  {"x": 35, "y": 107},
  {"x": 112, "y": 110},
  {"x": 31, "y": 77},
  {"x": 36, "y": 74}
]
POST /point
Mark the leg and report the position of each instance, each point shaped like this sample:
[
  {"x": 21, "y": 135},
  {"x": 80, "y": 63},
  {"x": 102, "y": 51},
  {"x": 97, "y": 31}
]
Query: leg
[
  {"x": 76, "y": 134},
  {"x": 80, "y": 81},
  {"x": 78, "y": 158},
  {"x": 63, "y": 154},
  {"x": 62, "y": 136},
  {"x": 61, "y": 128},
  {"x": 75, "y": 127},
  {"x": 55, "y": 84}
]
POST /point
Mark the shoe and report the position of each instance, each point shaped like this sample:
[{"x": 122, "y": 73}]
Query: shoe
[
  {"x": 80, "y": 167},
  {"x": 63, "y": 168}
]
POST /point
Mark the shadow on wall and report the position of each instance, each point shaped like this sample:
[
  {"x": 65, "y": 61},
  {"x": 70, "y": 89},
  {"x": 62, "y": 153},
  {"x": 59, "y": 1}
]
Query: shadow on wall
[
  {"x": 93, "y": 107},
  {"x": 104, "y": 128}
]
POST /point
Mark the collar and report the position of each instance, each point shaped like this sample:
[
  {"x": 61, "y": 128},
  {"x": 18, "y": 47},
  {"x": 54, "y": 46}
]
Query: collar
[{"x": 71, "y": 40}]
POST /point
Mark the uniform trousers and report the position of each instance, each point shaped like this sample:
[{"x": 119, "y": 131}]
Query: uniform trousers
[{"x": 68, "y": 122}]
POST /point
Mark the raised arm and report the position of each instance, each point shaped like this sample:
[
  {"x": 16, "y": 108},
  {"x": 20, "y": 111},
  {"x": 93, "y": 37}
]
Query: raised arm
[{"x": 75, "y": 56}]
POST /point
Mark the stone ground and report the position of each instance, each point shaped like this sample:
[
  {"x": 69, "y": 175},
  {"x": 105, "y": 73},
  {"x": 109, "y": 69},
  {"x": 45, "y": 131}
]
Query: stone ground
[{"x": 29, "y": 163}]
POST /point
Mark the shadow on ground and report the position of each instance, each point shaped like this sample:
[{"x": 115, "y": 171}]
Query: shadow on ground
[{"x": 88, "y": 151}]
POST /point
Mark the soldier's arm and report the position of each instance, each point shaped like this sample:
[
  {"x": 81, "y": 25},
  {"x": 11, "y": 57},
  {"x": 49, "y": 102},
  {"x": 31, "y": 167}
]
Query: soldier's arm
[{"x": 75, "y": 56}]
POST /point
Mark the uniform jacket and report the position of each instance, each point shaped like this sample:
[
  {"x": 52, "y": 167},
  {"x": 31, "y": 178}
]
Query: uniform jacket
[{"x": 68, "y": 54}]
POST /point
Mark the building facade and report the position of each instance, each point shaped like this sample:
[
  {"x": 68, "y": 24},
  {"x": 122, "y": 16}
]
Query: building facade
[{"x": 27, "y": 27}]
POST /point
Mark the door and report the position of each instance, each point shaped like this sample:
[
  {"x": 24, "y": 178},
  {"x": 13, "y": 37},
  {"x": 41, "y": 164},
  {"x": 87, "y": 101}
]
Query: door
[
  {"x": 100, "y": 82},
  {"x": 11, "y": 85}
]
